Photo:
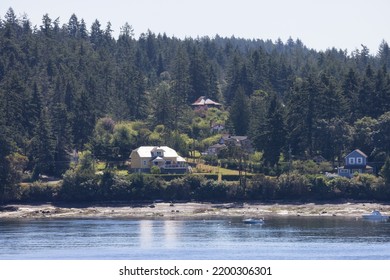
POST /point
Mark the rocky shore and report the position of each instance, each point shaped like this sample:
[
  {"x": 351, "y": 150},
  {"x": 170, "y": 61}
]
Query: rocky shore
[{"x": 189, "y": 209}]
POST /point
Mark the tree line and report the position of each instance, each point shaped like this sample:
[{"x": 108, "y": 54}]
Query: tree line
[{"x": 58, "y": 81}]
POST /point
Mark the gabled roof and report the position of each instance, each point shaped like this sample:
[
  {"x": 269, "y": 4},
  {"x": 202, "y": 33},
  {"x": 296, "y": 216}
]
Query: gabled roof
[
  {"x": 357, "y": 151},
  {"x": 211, "y": 102},
  {"x": 201, "y": 101},
  {"x": 157, "y": 159}
]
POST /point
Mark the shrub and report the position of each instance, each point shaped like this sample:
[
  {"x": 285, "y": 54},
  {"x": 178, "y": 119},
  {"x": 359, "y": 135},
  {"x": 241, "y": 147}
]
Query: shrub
[
  {"x": 294, "y": 186},
  {"x": 155, "y": 170},
  {"x": 121, "y": 189},
  {"x": 79, "y": 186},
  {"x": 39, "y": 192},
  {"x": 211, "y": 190},
  {"x": 340, "y": 186},
  {"x": 366, "y": 186},
  {"x": 177, "y": 190},
  {"x": 385, "y": 171},
  {"x": 319, "y": 187},
  {"x": 261, "y": 187},
  {"x": 211, "y": 159}
]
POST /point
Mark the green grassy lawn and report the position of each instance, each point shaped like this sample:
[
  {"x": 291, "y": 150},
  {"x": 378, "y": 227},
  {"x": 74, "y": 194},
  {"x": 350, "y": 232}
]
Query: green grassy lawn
[
  {"x": 121, "y": 172},
  {"x": 100, "y": 165},
  {"x": 204, "y": 168}
]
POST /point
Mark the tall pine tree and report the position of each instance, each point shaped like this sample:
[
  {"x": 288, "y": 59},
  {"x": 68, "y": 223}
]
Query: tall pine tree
[{"x": 275, "y": 135}]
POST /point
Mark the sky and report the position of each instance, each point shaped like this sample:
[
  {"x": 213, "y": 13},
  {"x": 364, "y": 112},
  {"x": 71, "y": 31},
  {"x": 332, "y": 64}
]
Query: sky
[{"x": 319, "y": 24}]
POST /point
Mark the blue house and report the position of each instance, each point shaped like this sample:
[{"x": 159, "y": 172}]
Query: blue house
[{"x": 355, "y": 162}]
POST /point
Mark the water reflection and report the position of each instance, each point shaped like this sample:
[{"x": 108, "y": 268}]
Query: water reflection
[
  {"x": 171, "y": 229},
  {"x": 146, "y": 233},
  {"x": 163, "y": 233}
]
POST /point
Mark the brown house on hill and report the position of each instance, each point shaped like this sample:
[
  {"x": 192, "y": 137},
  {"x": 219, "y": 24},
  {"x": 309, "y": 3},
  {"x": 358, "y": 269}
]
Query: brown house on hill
[
  {"x": 226, "y": 141},
  {"x": 238, "y": 141},
  {"x": 215, "y": 149}
]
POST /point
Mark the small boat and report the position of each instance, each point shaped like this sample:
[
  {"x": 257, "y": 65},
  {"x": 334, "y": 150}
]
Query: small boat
[
  {"x": 375, "y": 216},
  {"x": 253, "y": 221}
]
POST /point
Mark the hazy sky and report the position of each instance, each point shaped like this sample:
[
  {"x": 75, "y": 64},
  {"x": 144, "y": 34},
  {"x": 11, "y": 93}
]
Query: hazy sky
[{"x": 320, "y": 24}]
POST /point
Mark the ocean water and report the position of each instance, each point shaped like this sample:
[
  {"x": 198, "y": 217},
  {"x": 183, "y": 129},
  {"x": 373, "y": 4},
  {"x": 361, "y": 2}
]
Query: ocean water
[{"x": 280, "y": 238}]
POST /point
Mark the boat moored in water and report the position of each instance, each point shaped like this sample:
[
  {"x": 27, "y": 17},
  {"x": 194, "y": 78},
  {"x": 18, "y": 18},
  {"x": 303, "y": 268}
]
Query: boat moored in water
[{"x": 375, "y": 216}]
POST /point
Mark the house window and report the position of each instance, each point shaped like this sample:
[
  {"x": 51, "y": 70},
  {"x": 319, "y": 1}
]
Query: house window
[
  {"x": 158, "y": 154},
  {"x": 144, "y": 162},
  {"x": 351, "y": 160},
  {"x": 359, "y": 160},
  {"x": 344, "y": 171}
]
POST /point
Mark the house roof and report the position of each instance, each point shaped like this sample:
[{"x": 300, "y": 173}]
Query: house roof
[
  {"x": 216, "y": 146},
  {"x": 238, "y": 138},
  {"x": 180, "y": 159},
  {"x": 146, "y": 151},
  {"x": 201, "y": 101},
  {"x": 357, "y": 151},
  {"x": 319, "y": 158},
  {"x": 157, "y": 159}
]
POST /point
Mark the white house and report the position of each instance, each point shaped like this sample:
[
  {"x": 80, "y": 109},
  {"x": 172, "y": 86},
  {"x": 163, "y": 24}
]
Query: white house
[{"x": 165, "y": 158}]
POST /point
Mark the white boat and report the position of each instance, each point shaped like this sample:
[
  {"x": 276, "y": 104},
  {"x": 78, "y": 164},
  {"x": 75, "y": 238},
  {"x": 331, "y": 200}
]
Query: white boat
[
  {"x": 375, "y": 216},
  {"x": 253, "y": 221}
]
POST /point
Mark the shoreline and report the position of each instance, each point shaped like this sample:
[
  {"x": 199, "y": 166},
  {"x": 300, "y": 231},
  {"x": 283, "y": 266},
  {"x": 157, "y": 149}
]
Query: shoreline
[{"x": 189, "y": 210}]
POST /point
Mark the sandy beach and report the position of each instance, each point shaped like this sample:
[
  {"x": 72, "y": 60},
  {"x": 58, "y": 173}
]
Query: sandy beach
[{"x": 189, "y": 209}]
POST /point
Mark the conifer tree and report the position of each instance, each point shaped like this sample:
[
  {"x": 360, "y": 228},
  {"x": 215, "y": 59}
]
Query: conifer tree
[
  {"x": 180, "y": 86},
  {"x": 5, "y": 150},
  {"x": 350, "y": 88},
  {"x": 239, "y": 113},
  {"x": 198, "y": 76},
  {"x": 275, "y": 135},
  {"x": 42, "y": 147},
  {"x": 367, "y": 98},
  {"x": 385, "y": 171}
]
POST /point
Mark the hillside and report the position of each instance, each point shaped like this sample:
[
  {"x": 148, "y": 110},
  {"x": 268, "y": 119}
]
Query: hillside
[{"x": 62, "y": 82}]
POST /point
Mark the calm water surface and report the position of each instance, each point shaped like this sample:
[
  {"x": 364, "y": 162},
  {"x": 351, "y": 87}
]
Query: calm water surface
[{"x": 279, "y": 238}]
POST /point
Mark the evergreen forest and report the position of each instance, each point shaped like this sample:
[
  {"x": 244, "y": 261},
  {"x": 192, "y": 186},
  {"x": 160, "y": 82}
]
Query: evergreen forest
[{"x": 69, "y": 87}]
